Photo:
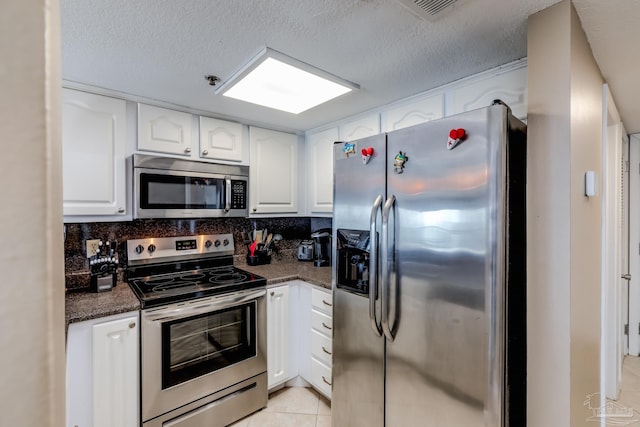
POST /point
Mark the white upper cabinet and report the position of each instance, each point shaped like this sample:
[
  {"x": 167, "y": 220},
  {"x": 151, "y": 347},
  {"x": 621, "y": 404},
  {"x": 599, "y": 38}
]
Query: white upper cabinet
[
  {"x": 93, "y": 149},
  {"x": 220, "y": 140},
  {"x": 273, "y": 172},
  {"x": 360, "y": 128},
  {"x": 320, "y": 170},
  {"x": 164, "y": 131},
  {"x": 510, "y": 87},
  {"x": 413, "y": 113}
]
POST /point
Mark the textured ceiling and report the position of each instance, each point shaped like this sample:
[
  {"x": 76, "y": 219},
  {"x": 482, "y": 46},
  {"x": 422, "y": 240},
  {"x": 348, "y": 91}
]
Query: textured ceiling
[
  {"x": 613, "y": 31},
  {"x": 161, "y": 49}
]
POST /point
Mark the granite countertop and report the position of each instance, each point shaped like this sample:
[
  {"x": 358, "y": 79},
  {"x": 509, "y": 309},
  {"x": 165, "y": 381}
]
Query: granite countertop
[
  {"x": 283, "y": 271},
  {"x": 83, "y": 305}
]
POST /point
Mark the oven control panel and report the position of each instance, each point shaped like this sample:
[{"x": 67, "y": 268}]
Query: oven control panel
[{"x": 163, "y": 249}]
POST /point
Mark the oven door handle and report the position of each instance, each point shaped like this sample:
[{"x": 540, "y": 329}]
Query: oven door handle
[{"x": 181, "y": 311}]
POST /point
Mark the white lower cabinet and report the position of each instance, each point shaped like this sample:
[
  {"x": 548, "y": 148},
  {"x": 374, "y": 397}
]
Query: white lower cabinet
[
  {"x": 321, "y": 340},
  {"x": 278, "y": 322},
  {"x": 282, "y": 333},
  {"x": 103, "y": 372},
  {"x": 299, "y": 335},
  {"x": 316, "y": 337},
  {"x": 321, "y": 377}
]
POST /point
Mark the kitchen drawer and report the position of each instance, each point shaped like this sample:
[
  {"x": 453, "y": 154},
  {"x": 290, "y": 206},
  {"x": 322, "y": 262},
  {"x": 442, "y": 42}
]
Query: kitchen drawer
[
  {"x": 321, "y": 323},
  {"x": 323, "y": 301},
  {"x": 321, "y": 376},
  {"x": 321, "y": 347}
]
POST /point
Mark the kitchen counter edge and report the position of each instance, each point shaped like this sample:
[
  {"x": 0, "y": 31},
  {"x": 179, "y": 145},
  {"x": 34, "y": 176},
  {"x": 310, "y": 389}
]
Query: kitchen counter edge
[{"x": 84, "y": 305}]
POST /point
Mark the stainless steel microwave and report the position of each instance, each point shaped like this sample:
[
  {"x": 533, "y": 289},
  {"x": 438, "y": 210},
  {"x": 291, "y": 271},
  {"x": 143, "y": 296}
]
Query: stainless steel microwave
[{"x": 166, "y": 187}]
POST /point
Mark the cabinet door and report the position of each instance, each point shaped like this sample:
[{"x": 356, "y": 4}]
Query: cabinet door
[
  {"x": 322, "y": 300},
  {"x": 164, "y": 131},
  {"x": 304, "y": 323},
  {"x": 273, "y": 171},
  {"x": 277, "y": 335},
  {"x": 510, "y": 87},
  {"x": 413, "y": 113},
  {"x": 361, "y": 128},
  {"x": 102, "y": 372},
  {"x": 320, "y": 170},
  {"x": 220, "y": 140},
  {"x": 115, "y": 373},
  {"x": 321, "y": 377},
  {"x": 93, "y": 150},
  {"x": 316, "y": 367}
]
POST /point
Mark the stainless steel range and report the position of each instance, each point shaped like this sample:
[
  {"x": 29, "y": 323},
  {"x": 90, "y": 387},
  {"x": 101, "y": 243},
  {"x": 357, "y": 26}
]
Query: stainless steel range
[{"x": 203, "y": 333}]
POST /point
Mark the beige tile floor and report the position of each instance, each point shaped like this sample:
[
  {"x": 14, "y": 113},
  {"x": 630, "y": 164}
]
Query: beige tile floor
[
  {"x": 630, "y": 390},
  {"x": 304, "y": 407},
  {"x": 291, "y": 407}
]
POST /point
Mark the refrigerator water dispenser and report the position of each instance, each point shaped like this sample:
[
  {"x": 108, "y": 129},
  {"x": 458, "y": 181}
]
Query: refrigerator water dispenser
[{"x": 353, "y": 261}]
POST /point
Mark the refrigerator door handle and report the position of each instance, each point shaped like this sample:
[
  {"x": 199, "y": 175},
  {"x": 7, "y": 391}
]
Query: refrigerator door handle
[
  {"x": 385, "y": 261},
  {"x": 373, "y": 266}
]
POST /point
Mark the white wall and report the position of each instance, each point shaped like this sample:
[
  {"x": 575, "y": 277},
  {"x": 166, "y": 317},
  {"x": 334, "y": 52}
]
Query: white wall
[
  {"x": 564, "y": 240},
  {"x": 31, "y": 258}
]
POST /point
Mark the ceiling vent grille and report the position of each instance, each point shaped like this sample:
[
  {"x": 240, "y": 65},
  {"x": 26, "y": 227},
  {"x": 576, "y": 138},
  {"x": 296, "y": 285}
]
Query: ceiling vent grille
[{"x": 428, "y": 9}]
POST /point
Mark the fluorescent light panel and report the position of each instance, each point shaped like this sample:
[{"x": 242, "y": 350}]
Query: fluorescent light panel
[{"x": 274, "y": 80}]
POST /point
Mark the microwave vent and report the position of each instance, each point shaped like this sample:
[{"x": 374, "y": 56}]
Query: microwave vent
[{"x": 429, "y": 9}]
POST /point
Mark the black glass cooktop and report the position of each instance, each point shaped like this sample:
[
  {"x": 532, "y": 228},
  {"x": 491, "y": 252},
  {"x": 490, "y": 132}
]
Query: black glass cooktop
[{"x": 165, "y": 288}]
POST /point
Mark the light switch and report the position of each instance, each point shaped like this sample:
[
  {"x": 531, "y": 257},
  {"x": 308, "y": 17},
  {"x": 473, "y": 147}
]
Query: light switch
[{"x": 590, "y": 184}]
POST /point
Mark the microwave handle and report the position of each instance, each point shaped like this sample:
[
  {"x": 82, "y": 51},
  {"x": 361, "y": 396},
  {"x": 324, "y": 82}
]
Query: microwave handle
[{"x": 227, "y": 201}]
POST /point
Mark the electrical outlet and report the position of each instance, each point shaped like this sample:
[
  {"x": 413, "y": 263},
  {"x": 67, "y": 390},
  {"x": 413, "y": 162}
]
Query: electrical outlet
[{"x": 92, "y": 247}]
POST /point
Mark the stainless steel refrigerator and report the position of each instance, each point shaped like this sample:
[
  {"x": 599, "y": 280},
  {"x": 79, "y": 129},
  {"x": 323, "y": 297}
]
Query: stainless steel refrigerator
[{"x": 429, "y": 278}]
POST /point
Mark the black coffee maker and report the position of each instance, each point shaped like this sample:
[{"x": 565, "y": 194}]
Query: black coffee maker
[{"x": 321, "y": 247}]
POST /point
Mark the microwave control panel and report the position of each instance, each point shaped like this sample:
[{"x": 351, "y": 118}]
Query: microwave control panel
[{"x": 238, "y": 194}]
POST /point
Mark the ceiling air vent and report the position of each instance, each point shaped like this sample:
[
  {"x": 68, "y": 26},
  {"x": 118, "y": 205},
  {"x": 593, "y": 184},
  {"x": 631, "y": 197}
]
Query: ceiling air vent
[{"x": 428, "y": 9}]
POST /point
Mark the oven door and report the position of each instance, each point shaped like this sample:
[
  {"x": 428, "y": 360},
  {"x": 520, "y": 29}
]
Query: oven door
[
  {"x": 193, "y": 349},
  {"x": 180, "y": 194}
]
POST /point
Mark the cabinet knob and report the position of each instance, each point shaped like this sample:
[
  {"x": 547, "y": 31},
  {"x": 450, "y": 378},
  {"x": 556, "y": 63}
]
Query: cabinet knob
[
  {"x": 272, "y": 293},
  {"x": 187, "y": 150},
  {"x": 255, "y": 209},
  {"x": 120, "y": 210},
  {"x": 205, "y": 152},
  {"x": 132, "y": 325}
]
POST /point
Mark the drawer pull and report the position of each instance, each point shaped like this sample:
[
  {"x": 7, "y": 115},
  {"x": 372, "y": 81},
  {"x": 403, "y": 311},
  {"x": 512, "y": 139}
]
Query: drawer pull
[
  {"x": 326, "y": 351},
  {"x": 325, "y": 325},
  {"x": 325, "y": 380},
  {"x": 326, "y": 303}
]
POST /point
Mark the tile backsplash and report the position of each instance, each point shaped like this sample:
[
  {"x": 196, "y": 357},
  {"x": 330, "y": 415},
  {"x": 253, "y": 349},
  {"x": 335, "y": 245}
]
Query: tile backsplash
[{"x": 292, "y": 229}]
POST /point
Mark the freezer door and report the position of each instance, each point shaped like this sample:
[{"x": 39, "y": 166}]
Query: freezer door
[
  {"x": 444, "y": 365},
  {"x": 357, "y": 398}
]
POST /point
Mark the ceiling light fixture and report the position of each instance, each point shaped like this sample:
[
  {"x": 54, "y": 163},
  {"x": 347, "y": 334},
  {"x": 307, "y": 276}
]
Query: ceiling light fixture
[{"x": 275, "y": 80}]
